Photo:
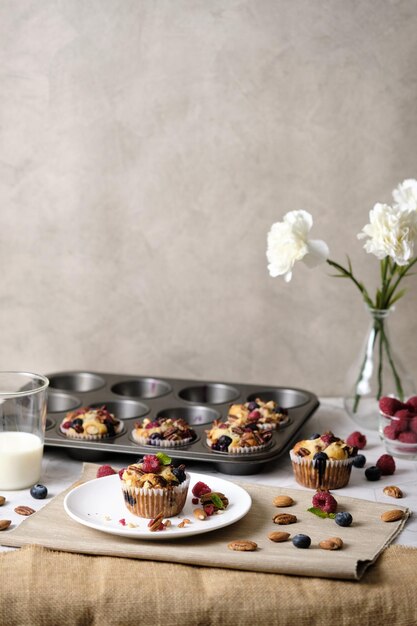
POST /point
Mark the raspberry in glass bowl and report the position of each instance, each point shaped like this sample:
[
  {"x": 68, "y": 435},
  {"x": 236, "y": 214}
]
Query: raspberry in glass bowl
[{"x": 398, "y": 426}]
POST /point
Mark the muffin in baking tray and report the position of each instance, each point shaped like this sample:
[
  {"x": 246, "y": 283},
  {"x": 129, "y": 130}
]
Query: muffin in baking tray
[
  {"x": 266, "y": 415},
  {"x": 91, "y": 424},
  {"x": 163, "y": 432},
  {"x": 232, "y": 439},
  {"x": 324, "y": 462},
  {"x": 155, "y": 486}
]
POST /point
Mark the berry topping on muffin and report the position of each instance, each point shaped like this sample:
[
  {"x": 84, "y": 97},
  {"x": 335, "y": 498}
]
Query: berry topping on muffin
[{"x": 90, "y": 423}]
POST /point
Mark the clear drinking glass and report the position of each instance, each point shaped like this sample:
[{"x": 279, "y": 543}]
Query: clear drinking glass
[{"x": 23, "y": 402}]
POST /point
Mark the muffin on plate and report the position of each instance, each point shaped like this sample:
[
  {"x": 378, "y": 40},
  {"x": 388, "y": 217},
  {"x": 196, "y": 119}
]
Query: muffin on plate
[
  {"x": 91, "y": 424},
  {"x": 154, "y": 486},
  {"x": 266, "y": 415},
  {"x": 226, "y": 437},
  {"x": 164, "y": 432},
  {"x": 324, "y": 462}
]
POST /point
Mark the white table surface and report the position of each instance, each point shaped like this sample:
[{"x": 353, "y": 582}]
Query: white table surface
[{"x": 59, "y": 471}]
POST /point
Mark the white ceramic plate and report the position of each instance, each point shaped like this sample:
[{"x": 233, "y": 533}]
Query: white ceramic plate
[{"x": 99, "y": 504}]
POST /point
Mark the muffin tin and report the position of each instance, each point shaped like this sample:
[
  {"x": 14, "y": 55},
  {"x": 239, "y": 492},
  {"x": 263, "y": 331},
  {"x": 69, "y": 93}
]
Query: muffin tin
[{"x": 131, "y": 398}]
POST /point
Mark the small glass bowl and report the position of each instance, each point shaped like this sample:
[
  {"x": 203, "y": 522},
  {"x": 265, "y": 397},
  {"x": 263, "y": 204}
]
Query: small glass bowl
[{"x": 399, "y": 435}]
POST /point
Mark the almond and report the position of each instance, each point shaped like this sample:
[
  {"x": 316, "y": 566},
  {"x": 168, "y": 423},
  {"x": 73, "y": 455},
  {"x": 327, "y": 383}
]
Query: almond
[
  {"x": 24, "y": 510},
  {"x": 392, "y": 516},
  {"x": 242, "y": 545},
  {"x": 393, "y": 491},
  {"x": 4, "y": 523},
  {"x": 284, "y": 518},
  {"x": 200, "y": 514},
  {"x": 278, "y": 537},
  {"x": 283, "y": 501},
  {"x": 2, "y": 500},
  {"x": 333, "y": 543}
]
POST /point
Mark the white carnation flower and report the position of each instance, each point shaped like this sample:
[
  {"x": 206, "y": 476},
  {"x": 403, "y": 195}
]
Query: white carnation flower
[
  {"x": 406, "y": 194},
  {"x": 391, "y": 232},
  {"x": 288, "y": 242}
]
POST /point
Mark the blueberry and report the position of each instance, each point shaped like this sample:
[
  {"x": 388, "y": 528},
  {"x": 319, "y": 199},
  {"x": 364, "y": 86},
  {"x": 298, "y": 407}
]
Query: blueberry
[
  {"x": 224, "y": 441},
  {"x": 314, "y": 436},
  {"x": 77, "y": 422},
  {"x": 359, "y": 460},
  {"x": 373, "y": 473},
  {"x": 320, "y": 456},
  {"x": 179, "y": 473},
  {"x": 39, "y": 492},
  {"x": 155, "y": 437},
  {"x": 252, "y": 406},
  {"x": 301, "y": 541},
  {"x": 129, "y": 499},
  {"x": 343, "y": 518},
  {"x": 249, "y": 427}
]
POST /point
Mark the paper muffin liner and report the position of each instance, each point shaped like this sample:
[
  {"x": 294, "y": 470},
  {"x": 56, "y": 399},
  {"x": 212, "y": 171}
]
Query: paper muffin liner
[
  {"x": 335, "y": 476},
  {"x": 239, "y": 449},
  {"x": 273, "y": 425},
  {"x": 149, "y": 503},
  {"x": 161, "y": 443},
  {"x": 87, "y": 437}
]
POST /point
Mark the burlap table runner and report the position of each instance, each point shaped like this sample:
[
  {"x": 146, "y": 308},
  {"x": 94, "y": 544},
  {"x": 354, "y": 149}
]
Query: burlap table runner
[
  {"x": 364, "y": 540},
  {"x": 40, "y": 587}
]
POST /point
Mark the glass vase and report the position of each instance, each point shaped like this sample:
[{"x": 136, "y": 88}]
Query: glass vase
[{"x": 376, "y": 373}]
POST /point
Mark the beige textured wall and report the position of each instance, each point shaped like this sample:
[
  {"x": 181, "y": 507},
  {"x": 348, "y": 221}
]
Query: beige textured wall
[{"x": 147, "y": 145}]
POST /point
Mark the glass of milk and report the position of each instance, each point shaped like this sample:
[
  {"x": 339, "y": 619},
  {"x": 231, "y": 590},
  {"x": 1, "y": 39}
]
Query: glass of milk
[{"x": 23, "y": 401}]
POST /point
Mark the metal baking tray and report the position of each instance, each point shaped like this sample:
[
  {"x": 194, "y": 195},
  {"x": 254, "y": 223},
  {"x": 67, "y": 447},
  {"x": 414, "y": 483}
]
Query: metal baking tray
[{"x": 131, "y": 397}]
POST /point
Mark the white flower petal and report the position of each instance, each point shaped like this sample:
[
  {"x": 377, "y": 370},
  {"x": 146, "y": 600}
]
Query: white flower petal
[
  {"x": 288, "y": 242},
  {"x": 392, "y": 232},
  {"x": 406, "y": 194},
  {"x": 318, "y": 252}
]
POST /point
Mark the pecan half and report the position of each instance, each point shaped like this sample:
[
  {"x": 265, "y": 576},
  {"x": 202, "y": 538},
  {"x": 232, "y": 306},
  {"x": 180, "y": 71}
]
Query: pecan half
[
  {"x": 284, "y": 518},
  {"x": 243, "y": 545},
  {"x": 333, "y": 543},
  {"x": 393, "y": 491},
  {"x": 303, "y": 452},
  {"x": 24, "y": 510},
  {"x": 2, "y": 500},
  {"x": 156, "y": 523}
]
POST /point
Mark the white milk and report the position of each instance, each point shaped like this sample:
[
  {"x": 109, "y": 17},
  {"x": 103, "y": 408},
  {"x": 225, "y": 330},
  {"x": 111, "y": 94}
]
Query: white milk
[{"x": 20, "y": 460}]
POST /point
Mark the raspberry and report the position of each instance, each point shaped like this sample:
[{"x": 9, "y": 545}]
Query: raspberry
[
  {"x": 402, "y": 419},
  {"x": 412, "y": 404},
  {"x": 200, "y": 489},
  {"x": 209, "y": 509},
  {"x": 390, "y": 431},
  {"x": 386, "y": 464},
  {"x": 122, "y": 521},
  {"x": 194, "y": 500},
  {"x": 105, "y": 470},
  {"x": 152, "y": 425},
  {"x": 356, "y": 440},
  {"x": 121, "y": 472},
  {"x": 328, "y": 438},
  {"x": 150, "y": 464},
  {"x": 254, "y": 415},
  {"x": 66, "y": 425},
  {"x": 390, "y": 406},
  {"x": 413, "y": 424},
  {"x": 408, "y": 437},
  {"x": 325, "y": 501}
]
